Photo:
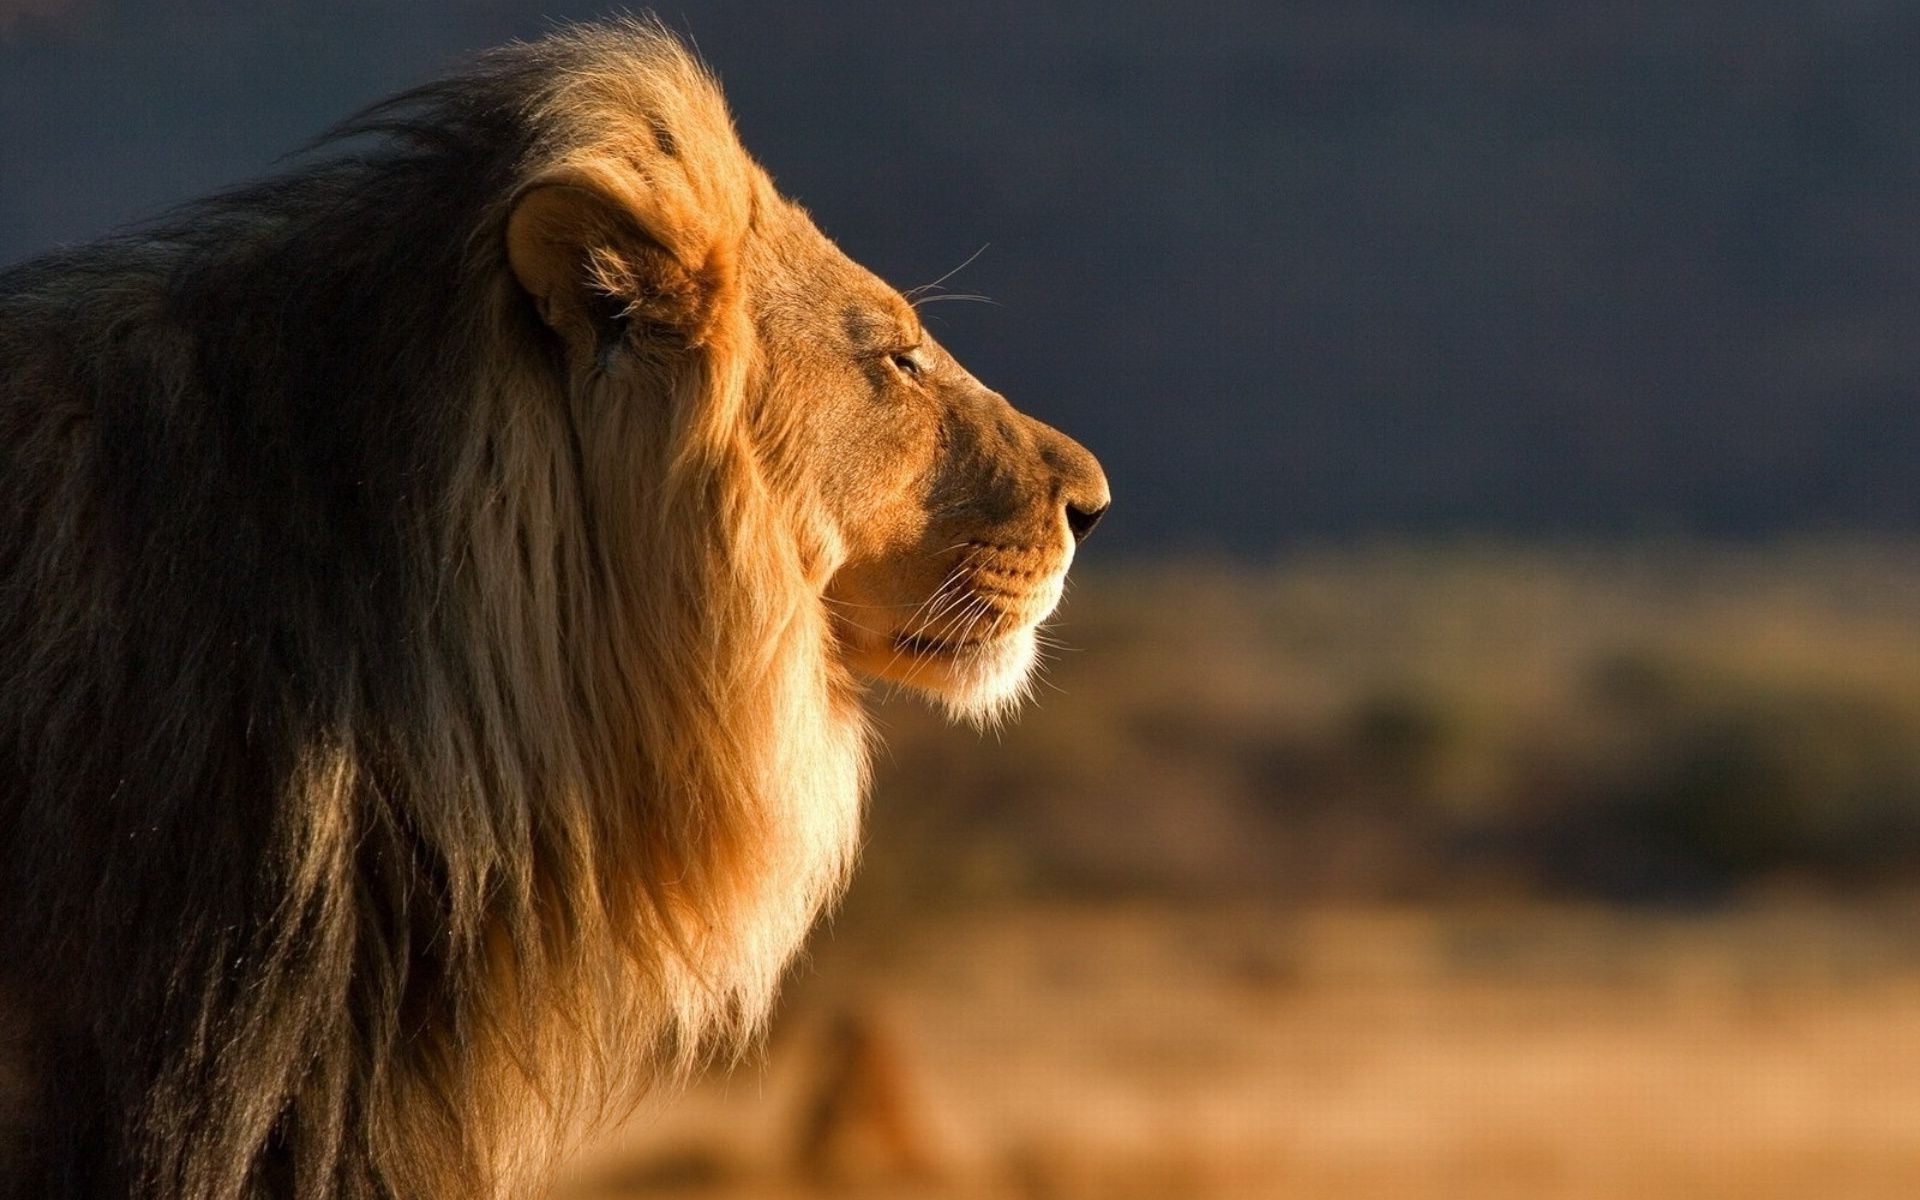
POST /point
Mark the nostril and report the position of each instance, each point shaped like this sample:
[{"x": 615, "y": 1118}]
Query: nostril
[{"x": 1082, "y": 520}]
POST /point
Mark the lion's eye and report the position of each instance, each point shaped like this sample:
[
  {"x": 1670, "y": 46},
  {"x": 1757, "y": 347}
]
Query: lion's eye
[{"x": 909, "y": 363}]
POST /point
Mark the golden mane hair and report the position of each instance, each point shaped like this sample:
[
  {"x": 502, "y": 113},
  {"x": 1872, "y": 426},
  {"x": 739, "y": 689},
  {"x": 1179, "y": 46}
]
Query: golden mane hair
[{"x": 404, "y": 756}]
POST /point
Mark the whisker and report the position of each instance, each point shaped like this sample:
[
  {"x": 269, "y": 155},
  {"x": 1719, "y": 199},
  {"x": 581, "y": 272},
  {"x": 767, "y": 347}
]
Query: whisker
[
  {"x": 923, "y": 301},
  {"x": 925, "y": 627},
  {"x": 981, "y": 607},
  {"x": 854, "y": 604},
  {"x": 916, "y": 623},
  {"x": 927, "y": 287}
]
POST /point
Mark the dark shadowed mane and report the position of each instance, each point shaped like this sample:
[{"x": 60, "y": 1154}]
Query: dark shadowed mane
[{"x": 403, "y": 750}]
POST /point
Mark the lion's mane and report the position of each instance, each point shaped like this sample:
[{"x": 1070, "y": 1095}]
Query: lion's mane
[{"x": 405, "y": 753}]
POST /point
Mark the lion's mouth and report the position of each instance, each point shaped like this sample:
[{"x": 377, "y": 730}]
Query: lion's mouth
[
  {"x": 923, "y": 646},
  {"x": 982, "y": 625}
]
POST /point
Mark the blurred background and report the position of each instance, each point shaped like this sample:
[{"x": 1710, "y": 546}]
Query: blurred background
[{"x": 1483, "y": 754}]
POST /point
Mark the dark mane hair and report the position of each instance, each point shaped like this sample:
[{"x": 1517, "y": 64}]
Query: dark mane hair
[{"x": 402, "y": 758}]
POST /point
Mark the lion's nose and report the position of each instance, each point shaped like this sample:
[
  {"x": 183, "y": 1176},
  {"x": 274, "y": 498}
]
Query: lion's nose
[
  {"x": 1082, "y": 484},
  {"x": 1082, "y": 520},
  {"x": 1078, "y": 485}
]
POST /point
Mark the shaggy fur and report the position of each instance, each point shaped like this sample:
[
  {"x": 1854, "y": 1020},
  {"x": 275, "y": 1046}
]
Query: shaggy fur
[{"x": 422, "y": 717}]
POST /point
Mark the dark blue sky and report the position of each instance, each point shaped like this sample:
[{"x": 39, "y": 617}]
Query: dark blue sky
[{"x": 1294, "y": 271}]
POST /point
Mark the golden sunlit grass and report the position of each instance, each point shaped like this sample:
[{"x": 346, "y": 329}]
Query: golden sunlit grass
[{"x": 1049, "y": 1053}]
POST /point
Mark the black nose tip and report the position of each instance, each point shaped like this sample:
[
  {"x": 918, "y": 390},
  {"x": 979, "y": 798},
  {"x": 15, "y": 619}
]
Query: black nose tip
[{"x": 1082, "y": 520}]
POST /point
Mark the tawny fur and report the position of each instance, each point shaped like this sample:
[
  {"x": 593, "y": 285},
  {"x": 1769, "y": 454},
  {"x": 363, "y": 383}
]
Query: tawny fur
[{"x": 423, "y": 720}]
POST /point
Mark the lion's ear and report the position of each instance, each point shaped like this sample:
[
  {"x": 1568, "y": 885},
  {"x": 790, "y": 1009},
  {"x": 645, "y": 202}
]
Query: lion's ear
[{"x": 601, "y": 262}]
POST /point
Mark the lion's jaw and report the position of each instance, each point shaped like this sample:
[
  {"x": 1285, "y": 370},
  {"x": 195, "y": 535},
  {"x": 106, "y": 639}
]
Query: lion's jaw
[
  {"x": 982, "y": 681},
  {"x": 972, "y": 644}
]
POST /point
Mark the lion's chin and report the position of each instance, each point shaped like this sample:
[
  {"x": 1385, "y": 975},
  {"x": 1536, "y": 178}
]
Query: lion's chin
[{"x": 981, "y": 682}]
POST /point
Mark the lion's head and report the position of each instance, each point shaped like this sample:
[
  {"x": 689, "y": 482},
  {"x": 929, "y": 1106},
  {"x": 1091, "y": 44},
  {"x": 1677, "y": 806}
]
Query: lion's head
[
  {"x": 955, "y": 516},
  {"x": 433, "y": 586},
  {"x": 941, "y": 520}
]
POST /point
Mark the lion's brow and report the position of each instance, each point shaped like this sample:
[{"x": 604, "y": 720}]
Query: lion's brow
[{"x": 871, "y": 327}]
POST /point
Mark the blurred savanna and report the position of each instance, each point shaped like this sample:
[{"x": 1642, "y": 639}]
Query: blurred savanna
[{"x": 1464, "y": 869}]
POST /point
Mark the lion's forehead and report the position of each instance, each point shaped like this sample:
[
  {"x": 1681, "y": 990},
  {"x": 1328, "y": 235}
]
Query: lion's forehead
[{"x": 795, "y": 272}]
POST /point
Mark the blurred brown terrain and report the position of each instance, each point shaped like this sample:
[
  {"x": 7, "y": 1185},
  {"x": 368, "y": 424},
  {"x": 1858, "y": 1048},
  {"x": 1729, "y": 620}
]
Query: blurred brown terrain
[{"x": 1456, "y": 871}]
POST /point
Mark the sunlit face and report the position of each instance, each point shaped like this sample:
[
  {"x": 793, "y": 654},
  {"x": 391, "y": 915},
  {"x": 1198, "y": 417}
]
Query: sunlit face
[{"x": 954, "y": 515}]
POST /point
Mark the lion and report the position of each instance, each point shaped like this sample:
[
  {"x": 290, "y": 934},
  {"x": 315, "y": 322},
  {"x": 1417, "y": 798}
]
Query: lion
[{"x": 438, "y": 592}]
